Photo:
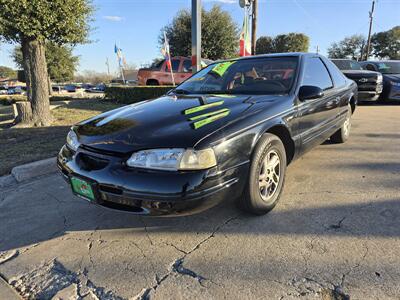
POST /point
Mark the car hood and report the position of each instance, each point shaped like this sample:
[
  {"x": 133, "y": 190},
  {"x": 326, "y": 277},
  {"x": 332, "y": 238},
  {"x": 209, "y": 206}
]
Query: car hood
[
  {"x": 166, "y": 122},
  {"x": 360, "y": 73}
]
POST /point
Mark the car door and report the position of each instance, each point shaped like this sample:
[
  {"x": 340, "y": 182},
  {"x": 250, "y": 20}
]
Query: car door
[
  {"x": 317, "y": 116},
  {"x": 186, "y": 70},
  {"x": 167, "y": 76}
]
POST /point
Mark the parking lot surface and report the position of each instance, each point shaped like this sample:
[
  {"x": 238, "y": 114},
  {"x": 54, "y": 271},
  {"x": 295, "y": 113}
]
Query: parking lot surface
[{"x": 334, "y": 233}]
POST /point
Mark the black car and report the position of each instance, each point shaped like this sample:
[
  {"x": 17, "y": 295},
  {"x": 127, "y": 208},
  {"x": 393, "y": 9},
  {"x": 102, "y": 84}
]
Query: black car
[
  {"x": 229, "y": 131},
  {"x": 390, "y": 70},
  {"x": 369, "y": 82}
]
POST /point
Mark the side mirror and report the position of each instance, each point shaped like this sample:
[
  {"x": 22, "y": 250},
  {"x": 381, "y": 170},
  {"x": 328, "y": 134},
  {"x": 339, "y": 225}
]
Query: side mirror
[{"x": 309, "y": 92}]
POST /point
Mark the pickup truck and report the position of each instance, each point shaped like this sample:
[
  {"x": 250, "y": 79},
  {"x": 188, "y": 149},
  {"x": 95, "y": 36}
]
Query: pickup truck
[{"x": 159, "y": 74}]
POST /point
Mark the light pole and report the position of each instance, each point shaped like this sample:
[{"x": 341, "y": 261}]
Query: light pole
[{"x": 196, "y": 35}]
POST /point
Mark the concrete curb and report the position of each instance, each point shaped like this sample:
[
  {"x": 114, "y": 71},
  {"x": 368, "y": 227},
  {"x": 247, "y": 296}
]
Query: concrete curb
[
  {"x": 29, "y": 171},
  {"x": 7, "y": 292}
]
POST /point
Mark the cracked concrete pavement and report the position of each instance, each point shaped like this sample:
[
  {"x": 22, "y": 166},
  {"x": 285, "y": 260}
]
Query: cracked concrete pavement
[{"x": 334, "y": 234}]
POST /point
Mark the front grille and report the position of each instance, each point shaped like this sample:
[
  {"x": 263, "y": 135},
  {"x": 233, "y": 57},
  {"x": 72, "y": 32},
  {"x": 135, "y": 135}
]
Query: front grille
[
  {"x": 103, "y": 152},
  {"x": 367, "y": 87},
  {"x": 90, "y": 163}
]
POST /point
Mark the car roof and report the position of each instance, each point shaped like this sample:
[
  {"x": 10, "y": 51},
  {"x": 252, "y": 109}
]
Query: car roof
[{"x": 381, "y": 61}]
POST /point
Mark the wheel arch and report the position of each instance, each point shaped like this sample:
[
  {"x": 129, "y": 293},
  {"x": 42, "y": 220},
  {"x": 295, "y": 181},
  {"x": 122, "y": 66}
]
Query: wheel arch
[
  {"x": 149, "y": 80},
  {"x": 283, "y": 133}
]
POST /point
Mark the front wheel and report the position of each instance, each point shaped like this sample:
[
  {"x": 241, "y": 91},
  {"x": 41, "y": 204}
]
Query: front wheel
[
  {"x": 267, "y": 176},
  {"x": 342, "y": 135}
]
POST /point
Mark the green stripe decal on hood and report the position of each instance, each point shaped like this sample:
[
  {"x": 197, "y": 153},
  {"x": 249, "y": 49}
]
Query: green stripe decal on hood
[
  {"x": 202, "y": 107},
  {"x": 209, "y": 120},
  {"x": 208, "y": 114}
]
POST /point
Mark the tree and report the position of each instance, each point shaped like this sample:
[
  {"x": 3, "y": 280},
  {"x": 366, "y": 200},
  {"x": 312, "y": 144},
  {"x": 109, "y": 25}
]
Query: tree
[
  {"x": 220, "y": 35},
  {"x": 93, "y": 77},
  {"x": 290, "y": 42},
  {"x": 264, "y": 45},
  {"x": 386, "y": 44},
  {"x": 61, "y": 63},
  {"x": 352, "y": 47},
  {"x": 32, "y": 23},
  {"x": 6, "y": 72}
]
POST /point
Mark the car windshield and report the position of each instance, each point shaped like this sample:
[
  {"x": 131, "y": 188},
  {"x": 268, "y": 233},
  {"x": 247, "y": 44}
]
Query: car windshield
[
  {"x": 269, "y": 75},
  {"x": 388, "y": 67},
  {"x": 347, "y": 64}
]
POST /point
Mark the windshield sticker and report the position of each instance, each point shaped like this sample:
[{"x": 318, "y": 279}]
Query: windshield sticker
[
  {"x": 202, "y": 107},
  {"x": 221, "y": 68},
  {"x": 208, "y": 114},
  {"x": 209, "y": 120}
]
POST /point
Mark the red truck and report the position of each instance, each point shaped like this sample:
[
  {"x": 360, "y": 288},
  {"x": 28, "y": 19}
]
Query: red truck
[{"x": 160, "y": 74}]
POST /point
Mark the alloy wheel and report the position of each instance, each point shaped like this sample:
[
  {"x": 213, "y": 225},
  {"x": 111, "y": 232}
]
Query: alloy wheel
[{"x": 268, "y": 179}]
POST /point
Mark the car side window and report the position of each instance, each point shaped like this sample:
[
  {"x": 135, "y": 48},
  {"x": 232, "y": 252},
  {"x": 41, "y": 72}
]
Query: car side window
[
  {"x": 175, "y": 65},
  {"x": 338, "y": 78},
  {"x": 187, "y": 66},
  {"x": 316, "y": 74},
  {"x": 370, "y": 67}
]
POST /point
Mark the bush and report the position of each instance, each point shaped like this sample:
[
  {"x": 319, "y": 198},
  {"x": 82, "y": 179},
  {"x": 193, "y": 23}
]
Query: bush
[
  {"x": 11, "y": 99},
  {"x": 133, "y": 94}
]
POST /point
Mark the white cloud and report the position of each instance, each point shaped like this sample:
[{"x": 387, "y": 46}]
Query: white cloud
[{"x": 113, "y": 18}]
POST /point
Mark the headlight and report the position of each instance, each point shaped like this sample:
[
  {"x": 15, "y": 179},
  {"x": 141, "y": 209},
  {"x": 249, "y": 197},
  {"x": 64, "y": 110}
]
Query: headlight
[
  {"x": 173, "y": 159},
  {"x": 380, "y": 78},
  {"x": 395, "y": 83},
  {"x": 72, "y": 140}
]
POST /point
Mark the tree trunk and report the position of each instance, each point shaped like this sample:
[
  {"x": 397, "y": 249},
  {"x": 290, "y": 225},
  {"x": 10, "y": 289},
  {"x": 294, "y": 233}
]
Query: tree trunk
[
  {"x": 23, "y": 112},
  {"x": 39, "y": 85},
  {"x": 27, "y": 70}
]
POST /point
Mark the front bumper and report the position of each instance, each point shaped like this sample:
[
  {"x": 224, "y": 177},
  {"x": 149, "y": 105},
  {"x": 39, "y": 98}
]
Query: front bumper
[
  {"x": 150, "y": 192},
  {"x": 394, "y": 93}
]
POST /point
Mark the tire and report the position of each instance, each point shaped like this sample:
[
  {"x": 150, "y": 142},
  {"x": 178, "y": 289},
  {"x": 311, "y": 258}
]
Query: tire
[
  {"x": 342, "y": 135},
  {"x": 152, "y": 82},
  {"x": 265, "y": 182}
]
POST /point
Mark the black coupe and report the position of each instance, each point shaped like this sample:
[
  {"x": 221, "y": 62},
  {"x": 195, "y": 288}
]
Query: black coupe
[{"x": 229, "y": 131}]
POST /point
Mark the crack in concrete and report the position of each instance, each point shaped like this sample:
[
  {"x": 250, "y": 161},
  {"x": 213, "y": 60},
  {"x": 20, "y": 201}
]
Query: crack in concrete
[
  {"x": 178, "y": 268},
  {"x": 48, "y": 279},
  {"x": 145, "y": 229},
  {"x": 338, "y": 225}
]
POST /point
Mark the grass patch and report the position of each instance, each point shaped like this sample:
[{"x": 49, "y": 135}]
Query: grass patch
[{"x": 24, "y": 145}]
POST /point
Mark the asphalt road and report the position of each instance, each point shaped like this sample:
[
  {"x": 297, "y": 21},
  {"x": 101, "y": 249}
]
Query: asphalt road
[{"x": 335, "y": 233}]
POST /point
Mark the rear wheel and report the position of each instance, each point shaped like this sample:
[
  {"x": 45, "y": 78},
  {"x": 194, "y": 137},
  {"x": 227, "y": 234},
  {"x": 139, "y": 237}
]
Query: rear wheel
[
  {"x": 342, "y": 135},
  {"x": 267, "y": 176}
]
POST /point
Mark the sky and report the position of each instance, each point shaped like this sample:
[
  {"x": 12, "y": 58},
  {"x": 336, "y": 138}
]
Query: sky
[{"x": 135, "y": 25}]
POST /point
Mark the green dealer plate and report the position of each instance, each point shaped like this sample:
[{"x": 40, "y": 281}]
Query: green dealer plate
[{"x": 82, "y": 188}]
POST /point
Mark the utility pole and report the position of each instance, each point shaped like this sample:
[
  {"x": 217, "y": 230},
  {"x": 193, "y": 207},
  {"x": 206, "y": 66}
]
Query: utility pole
[
  {"x": 371, "y": 17},
  {"x": 196, "y": 35},
  {"x": 254, "y": 27},
  {"x": 317, "y": 49}
]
